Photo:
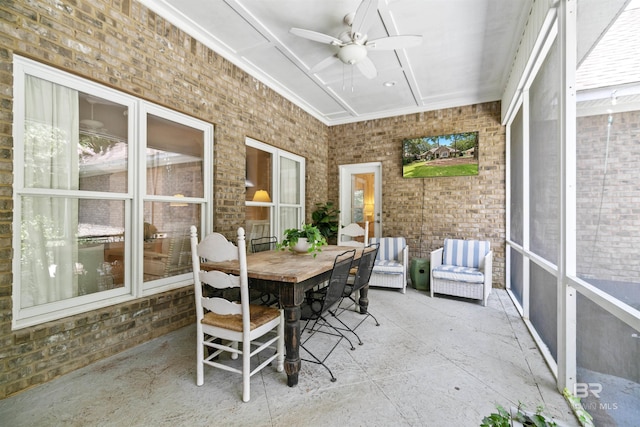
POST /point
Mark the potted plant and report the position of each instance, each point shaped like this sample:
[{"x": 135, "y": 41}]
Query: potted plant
[
  {"x": 307, "y": 239},
  {"x": 325, "y": 217}
]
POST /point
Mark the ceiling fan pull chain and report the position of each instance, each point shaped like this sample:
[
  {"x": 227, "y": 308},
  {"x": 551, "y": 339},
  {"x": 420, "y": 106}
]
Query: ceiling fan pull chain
[{"x": 351, "y": 78}]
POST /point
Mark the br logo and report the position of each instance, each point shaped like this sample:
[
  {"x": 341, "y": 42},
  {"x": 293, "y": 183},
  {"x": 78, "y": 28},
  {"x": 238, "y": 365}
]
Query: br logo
[{"x": 582, "y": 390}]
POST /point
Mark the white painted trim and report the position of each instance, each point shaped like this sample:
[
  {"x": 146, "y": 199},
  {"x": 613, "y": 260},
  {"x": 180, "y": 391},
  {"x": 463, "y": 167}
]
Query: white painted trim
[
  {"x": 566, "y": 296},
  {"x": 344, "y": 192}
]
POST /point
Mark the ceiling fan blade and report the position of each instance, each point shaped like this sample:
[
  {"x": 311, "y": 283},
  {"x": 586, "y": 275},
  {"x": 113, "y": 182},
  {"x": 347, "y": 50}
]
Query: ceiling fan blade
[
  {"x": 394, "y": 42},
  {"x": 324, "y": 63},
  {"x": 366, "y": 67},
  {"x": 316, "y": 37},
  {"x": 364, "y": 18}
]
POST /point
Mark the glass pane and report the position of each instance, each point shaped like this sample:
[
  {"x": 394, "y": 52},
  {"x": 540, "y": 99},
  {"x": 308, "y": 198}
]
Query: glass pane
[
  {"x": 289, "y": 218},
  {"x": 544, "y": 158},
  {"x": 289, "y": 181},
  {"x": 167, "y": 248},
  {"x": 259, "y": 168},
  {"x": 66, "y": 248},
  {"x": 516, "y": 274},
  {"x": 608, "y": 376},
  {"x": 103, "y": 146},
  {"x": 73, "y": 140},
  {"x": 174, "y": 158},
  {"x": 258, "y": 222},
  {"x": 543, "y": 309},
  {"x": 515, "y": 168}
]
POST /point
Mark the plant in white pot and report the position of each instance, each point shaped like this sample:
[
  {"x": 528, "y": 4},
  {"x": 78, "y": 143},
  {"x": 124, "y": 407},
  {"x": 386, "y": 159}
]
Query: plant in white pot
[{"x": 307, "y": 239}]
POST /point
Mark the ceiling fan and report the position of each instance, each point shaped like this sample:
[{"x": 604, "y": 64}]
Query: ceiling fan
[{"x": 353, "y": 44}]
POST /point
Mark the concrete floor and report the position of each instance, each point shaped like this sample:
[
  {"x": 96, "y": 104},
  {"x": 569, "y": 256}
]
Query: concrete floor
[{"x": 432, "y": 362}]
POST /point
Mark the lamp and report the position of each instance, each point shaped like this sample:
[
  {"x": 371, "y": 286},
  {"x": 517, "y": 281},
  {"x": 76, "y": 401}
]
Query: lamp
[
  {"x": 261, "y": 196},
  {"x": 178, "y": 204}
]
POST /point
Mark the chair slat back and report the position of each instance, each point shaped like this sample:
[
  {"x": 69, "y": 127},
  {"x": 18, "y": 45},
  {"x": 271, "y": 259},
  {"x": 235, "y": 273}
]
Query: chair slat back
[
  {"x": 465, "y": 253},
  {"x": 390, "y": 247},
  {"x": 351, "y": 232},
  {"x": 215, "y": 247},
  {"x": 262, "y": 244},
  {"x": 338, "y": 279},
  {"x": 365, "y": 266}
]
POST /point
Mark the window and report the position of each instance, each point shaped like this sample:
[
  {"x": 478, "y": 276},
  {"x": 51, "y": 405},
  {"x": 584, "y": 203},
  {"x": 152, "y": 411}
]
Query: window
[
  {"x": 94, "y": 226},
  {"x": 265, "y": 195}
]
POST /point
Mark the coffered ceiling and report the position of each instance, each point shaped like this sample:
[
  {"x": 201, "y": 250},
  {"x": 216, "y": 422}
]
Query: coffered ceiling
[{"x": 465, "y": 56}]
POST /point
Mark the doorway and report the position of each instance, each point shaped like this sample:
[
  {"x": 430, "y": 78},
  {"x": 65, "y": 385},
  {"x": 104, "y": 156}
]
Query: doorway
[{"x": 361, "y": 196}]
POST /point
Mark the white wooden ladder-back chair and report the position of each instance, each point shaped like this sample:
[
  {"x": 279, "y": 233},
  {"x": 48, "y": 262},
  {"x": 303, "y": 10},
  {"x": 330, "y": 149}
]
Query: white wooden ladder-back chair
[
  {"x": 349, "y": 234},
  {"x": 221, "y": 323}
]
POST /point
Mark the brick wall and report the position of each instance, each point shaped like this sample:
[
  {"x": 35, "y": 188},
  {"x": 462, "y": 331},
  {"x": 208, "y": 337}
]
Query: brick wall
[
  {"x": 608, "y": 222},
  {"x": 125, "y": 46},
  {"x": 427, "y": 210}
]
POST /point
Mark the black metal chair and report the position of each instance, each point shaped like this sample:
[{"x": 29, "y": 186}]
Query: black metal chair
[
  {"x": 355, "y": 283},
  {"x": 316, "y": 309},
  {"x": 261, "y": 244}
]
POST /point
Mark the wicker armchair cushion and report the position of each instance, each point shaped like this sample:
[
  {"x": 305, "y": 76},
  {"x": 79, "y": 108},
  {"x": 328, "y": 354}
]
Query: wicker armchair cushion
[
  {"x": 458, "y": 274},
  {"x": 390, "y": 248},
  {"x": 388, "y": 267},
  {"x": 465, "y": 253}
]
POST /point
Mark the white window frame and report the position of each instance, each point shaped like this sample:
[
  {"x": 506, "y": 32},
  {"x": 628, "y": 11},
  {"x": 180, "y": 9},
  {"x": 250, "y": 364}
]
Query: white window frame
[
  {"x": 275, "y": 205},
  {"x": 134, "y": 287}
]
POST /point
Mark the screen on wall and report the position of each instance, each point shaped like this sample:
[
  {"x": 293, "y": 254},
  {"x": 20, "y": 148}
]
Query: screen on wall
[{"x": 454, "y": 154}]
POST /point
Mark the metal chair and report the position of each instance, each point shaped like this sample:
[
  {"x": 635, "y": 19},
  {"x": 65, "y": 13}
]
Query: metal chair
[
  {"x": 222, "y": 324},
  {"x": 316, "y": 309},
  {"x": 261, "y": 244},
  {"x": 355, "y": 283}
]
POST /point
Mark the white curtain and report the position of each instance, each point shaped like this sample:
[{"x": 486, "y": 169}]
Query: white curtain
[
  {"x": 49, "y": 224},
  {"x": 289, "y": 175}
]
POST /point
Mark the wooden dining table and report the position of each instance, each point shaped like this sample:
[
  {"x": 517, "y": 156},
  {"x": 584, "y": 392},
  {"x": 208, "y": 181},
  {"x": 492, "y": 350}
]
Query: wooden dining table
[{"x": 288, "y": 276}]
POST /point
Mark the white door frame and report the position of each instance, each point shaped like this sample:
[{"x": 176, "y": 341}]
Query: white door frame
[{"x": 346, "y": 171}]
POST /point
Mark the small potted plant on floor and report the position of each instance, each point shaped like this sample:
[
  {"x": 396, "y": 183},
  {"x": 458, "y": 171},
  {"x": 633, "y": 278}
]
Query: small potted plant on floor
[{"x": 307, "y": 239}]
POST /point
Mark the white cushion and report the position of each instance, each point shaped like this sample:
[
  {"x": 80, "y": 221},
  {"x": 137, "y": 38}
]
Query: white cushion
[
  {"x": 458, "y": 274},
  {"x": 388, "y": 267}
]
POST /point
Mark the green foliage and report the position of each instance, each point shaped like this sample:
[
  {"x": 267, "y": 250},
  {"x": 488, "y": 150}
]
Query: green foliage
[
  {"x": 420, "y": 170},
  {"x": 310, "y": 232},
  {"x": 325, "y": 218},
  {"x": 501, "y": 418},
  {"x": 584, "y": 417},
  {"x": 504, "y": 418}
]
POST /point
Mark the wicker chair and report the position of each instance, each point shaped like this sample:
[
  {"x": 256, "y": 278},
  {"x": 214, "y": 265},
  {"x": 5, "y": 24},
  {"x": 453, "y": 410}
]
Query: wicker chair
[
  {"x": 392, "y": 263},
  {"x": 462, "y": 268}
]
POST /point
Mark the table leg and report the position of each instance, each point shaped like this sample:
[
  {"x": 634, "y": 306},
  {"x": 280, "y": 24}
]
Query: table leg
[
  {"x": 292, "y": 344},
  {"x": 363, "y": 302}
]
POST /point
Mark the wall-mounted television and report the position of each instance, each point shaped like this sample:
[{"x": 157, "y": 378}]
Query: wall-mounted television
[{"x": 454, "y": 154}]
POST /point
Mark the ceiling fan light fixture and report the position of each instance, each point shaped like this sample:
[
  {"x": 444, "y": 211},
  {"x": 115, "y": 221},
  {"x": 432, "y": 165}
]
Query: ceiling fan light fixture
[
  {"x": 91, "y": 124},
  {"x": 352, "y": 53}
]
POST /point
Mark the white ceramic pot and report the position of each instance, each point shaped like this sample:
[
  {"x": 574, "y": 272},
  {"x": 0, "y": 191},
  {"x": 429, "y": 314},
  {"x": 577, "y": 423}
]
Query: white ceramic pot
[{"x": 302, "y": 246}]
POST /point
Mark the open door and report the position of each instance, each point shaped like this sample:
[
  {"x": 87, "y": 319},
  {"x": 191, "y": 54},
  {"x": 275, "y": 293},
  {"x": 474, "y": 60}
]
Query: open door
[{"x": 361, "y": 196}]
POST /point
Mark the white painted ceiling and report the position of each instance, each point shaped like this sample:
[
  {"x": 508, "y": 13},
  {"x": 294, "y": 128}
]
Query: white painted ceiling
[{"x": 465, "y": 57}]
